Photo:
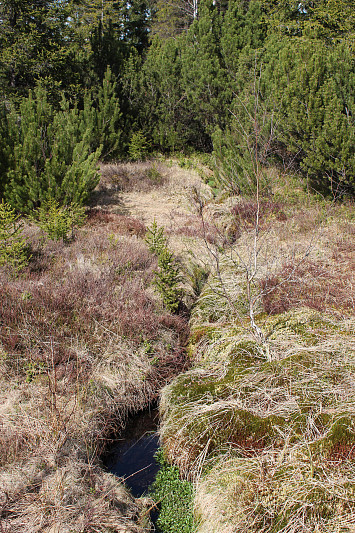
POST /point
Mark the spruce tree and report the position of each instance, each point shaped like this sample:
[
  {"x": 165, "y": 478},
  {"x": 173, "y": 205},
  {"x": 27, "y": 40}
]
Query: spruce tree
[{"x": 204, "y": 74}]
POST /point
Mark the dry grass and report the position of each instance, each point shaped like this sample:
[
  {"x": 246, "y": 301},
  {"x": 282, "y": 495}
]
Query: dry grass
[
  {"x": 290, "y": 491},
  {"x": 236, "y": 398},
  {"x": 68, "y": 496},
  {"x": 84, "y": 342},
  {"x": 128, "y": 177},
  {"x": 266, "y": 427}
]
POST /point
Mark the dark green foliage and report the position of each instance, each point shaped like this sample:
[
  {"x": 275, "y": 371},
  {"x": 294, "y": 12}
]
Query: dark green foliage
[
  {"x": 328, "y": 20},
  {"x": 13, "y": 246},
  {"x": 103, "y": 117},
  {"x": 205, "y": 78},
  {"x": 47, "y": 155},
  {"x": 172, "y": 18},
  {"x": 167, "y": 280},
  {"x": 175, "y": 499},
  {"x": 198, "y": 276},
  {"x": 168, "y": 277},
  {"x": 106, "y": 49},
  {"x": 242, "y": 150},
  {"x": 40, "y": 43},
  {"x": 313, "y": 86},
  {"x": 178, "y": 74}
]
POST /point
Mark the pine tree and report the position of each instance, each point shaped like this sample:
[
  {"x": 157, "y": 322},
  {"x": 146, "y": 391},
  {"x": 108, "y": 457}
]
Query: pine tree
[
  {"x": 243, "y": 31},
  {"x": 103, "y": 118},
  {"x": 165, "y": 95},
  {"x": 13, "y": 245},
  {"x": 50, "y": 155},
  {"x": 312, "y": 86}
]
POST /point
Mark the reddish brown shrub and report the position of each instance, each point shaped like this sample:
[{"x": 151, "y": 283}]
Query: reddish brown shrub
[
  {"x": 245, "y": 212},
  {"x": 193, "y": 226},
  {"x": 87, "y": 301},
  {"x": 317, "y": 285},
  {"x": 121, "y": 224}
]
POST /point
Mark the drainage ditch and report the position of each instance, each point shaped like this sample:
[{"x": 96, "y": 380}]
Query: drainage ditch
[{"x": 132, "y": 457}]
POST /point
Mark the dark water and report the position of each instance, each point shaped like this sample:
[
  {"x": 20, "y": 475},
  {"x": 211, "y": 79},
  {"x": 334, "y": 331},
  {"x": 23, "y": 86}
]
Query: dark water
[{"x": 132, "y": 456}]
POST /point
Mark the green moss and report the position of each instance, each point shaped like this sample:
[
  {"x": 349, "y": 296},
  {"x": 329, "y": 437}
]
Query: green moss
[
  {"x": 310, "y": 326},
  {"x": 188, "y": 388}
]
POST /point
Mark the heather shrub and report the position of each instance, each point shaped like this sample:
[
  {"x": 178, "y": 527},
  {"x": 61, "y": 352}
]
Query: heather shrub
[
  {"x": 138, "y": 176},
  {"x": 312, "y": 284},
  {"x": 122, "y": 224}
]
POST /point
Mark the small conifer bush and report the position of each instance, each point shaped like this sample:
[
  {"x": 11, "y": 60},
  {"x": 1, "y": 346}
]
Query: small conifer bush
[
  {"x": 138, "y": 147},
  {"x": 168, "y": 276},
  {"x": 156, "y": 239},
  {"x": 13, "y": 246},
  {"x": 167, "y": 280},
  {"x": 59, "y": 222}
]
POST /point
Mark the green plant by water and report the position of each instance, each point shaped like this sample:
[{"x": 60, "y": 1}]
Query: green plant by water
[{"x": 175, "y": 498}]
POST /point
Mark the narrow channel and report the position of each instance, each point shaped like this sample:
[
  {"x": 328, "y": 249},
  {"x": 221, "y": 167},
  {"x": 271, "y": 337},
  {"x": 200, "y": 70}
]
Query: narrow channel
[{"x": 132, "y": 457}]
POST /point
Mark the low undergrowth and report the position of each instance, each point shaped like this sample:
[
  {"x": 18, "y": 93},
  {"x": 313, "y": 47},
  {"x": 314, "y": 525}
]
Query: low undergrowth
[
  {"x": 84, "y": 342},
  {"x": 128, "y": 177},
  {"x": 174, "y": 497},
  {"x": 263, "y": 422},
  {"x": 262, "y": 425}
]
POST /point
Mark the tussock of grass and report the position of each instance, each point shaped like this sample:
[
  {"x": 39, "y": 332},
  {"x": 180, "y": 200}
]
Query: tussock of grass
[
  {"x": 291, "y": 490},
  {"x": 237, "y": 398},
  {"x": 60, "y": 497}
]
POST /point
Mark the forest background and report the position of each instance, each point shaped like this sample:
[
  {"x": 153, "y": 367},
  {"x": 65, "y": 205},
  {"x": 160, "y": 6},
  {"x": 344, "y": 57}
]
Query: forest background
[{"x": 83, "y": 80}]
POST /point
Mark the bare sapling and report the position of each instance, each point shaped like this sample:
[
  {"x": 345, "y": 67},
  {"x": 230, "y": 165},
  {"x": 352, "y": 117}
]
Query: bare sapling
[{"x": 258, "y": 253}]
